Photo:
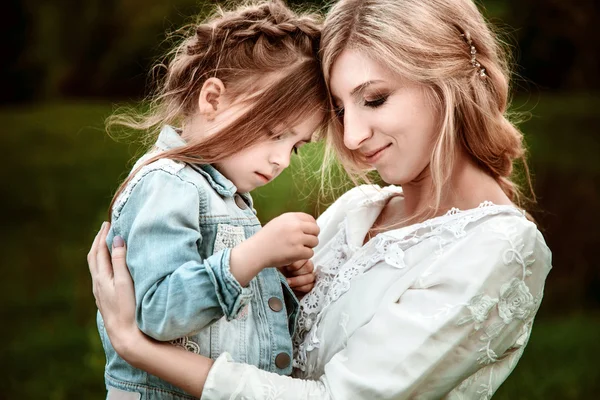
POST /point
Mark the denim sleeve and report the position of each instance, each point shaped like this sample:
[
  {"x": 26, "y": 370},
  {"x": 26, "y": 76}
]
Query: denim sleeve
[{"x": 177, "y": 292}]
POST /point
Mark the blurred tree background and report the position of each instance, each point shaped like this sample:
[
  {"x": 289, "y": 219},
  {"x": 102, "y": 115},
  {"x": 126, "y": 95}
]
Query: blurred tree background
[{"x": 67, "y": 63}]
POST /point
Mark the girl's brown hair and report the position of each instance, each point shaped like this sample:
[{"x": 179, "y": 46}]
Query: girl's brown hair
[
  {"x": 260, "y": 50},
  {"x": 426, "y": 42}
]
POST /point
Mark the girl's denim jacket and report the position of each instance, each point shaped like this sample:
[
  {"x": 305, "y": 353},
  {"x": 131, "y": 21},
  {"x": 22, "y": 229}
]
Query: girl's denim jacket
[{"x": 180, "y": 222}]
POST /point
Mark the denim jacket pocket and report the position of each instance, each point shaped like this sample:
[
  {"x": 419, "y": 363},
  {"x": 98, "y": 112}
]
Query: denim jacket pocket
[{"x": 228, "y": 236}]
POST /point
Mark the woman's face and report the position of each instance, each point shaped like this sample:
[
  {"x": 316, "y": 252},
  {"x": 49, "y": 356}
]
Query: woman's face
[{"x": 389, "y": 122}]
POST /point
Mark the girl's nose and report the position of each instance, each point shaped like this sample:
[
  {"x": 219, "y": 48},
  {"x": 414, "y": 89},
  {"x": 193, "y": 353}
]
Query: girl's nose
[{"x": 281, "y": 158}]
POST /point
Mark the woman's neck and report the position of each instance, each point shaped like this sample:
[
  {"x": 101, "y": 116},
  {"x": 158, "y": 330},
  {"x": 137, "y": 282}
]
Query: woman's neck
[{"x": 468, "y": 187}]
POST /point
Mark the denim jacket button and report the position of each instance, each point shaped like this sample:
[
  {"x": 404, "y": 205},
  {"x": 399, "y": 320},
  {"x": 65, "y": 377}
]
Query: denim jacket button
[
  {"x": 239, "y": 201},
  {"x": 282, "y": 360},
  {"x": 275, "y": 304}
]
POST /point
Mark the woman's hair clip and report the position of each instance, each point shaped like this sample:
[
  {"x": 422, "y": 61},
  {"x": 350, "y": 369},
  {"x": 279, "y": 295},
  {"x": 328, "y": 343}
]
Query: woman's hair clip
[{"x": 474, "y": 62}]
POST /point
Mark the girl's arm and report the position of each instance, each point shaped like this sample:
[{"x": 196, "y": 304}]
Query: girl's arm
[{"x": 177, "y": 290}]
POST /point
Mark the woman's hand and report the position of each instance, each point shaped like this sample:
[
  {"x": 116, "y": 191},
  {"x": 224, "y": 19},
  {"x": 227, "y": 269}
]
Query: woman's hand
[
  {"x": 114, "y": 293},
  {"x": 115, "y": 298}
]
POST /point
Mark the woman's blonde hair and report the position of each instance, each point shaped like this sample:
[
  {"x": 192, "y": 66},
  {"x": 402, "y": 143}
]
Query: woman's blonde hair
[
  {"x": 427, "y": 42},
  {"x": 261, "y": 50}
]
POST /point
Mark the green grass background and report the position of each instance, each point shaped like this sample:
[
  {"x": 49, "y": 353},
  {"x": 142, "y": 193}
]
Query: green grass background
[{"x": 60, "y": 170}]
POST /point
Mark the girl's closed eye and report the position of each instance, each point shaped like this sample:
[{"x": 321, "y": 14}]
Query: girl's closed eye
[
  {"x": 297, "y": 146},
  {"x": 284, "y": 135}
]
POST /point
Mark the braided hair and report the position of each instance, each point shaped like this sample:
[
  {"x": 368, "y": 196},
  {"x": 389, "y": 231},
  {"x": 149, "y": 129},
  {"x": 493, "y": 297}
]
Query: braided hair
[{"x": 260, "y": 49}]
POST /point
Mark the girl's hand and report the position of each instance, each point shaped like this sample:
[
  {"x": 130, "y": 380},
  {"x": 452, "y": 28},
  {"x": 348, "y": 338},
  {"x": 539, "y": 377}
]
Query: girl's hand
[
  {"x": 283, "y": 241},
  {"x": 114, "y": 292},
  {"x": 300, "y": 276},
  {"x": 286, "y": 239}
]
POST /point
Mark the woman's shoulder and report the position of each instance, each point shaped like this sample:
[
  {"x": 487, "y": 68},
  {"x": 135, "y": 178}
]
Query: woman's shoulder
[
  {"x": 492, "y": 231},
  {"x": 508, "y": 222},
  {"x": 365, "y": 194},
  {"x": 497, "y": 242},
  {"x": 358, "y": 196}
]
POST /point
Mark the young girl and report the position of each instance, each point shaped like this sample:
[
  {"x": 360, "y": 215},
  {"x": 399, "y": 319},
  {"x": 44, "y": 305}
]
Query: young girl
[
  {"x": 426, "y": 291},
  {"x": 246, "y": 91}
]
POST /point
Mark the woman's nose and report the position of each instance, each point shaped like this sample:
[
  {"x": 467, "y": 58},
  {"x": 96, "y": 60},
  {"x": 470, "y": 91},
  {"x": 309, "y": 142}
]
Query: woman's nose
[{"x": 355, "y": 132}]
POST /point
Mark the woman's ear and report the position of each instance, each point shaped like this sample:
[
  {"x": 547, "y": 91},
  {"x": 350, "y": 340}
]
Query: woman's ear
[{"x": 211, "y": 98}]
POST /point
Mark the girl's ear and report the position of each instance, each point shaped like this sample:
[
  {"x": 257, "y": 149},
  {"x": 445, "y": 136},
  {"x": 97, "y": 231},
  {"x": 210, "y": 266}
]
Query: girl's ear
[{"x": 211, "y": 96}]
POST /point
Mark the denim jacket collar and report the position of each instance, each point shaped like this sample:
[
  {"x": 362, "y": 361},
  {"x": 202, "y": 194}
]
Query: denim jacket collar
[{"x": 169, "y": 139}]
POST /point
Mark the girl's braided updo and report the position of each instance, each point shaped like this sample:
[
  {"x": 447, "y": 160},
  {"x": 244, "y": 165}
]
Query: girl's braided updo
[{"x": 264, "y": 53}]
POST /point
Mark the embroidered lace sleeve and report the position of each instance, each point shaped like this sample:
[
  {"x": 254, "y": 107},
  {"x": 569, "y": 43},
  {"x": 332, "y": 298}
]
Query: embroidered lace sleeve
[{"x": 457, "y": 331}]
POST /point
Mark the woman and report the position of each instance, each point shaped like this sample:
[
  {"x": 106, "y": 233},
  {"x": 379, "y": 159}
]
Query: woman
[{"x": 428, "y": 290}]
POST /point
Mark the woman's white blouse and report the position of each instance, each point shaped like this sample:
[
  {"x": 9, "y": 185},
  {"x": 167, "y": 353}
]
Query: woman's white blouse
[{"x": 439, "y": 309}]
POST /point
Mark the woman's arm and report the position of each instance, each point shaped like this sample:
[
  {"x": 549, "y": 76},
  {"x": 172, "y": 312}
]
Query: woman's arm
[{"x": 115, "y": 298}]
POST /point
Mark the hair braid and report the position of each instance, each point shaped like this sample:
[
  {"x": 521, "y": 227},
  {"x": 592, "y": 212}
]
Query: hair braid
[{"x": 263, "y": 49}]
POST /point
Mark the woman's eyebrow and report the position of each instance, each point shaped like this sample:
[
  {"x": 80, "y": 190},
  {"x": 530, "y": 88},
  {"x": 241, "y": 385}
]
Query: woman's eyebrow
[{"x": 363, "y": 86}]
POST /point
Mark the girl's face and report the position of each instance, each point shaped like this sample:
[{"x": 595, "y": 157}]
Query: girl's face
[
  {"x": 258, "y": 164},
  {"x": 263, "y": 162},
  {"x": 389, "y": 122}
]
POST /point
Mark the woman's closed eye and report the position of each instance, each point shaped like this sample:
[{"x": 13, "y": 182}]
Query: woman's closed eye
[{"x": 375, "y": 103}]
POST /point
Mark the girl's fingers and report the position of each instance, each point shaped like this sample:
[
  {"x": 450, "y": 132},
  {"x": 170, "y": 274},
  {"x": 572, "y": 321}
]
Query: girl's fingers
[
  {"x": 310, "y": 228},
  {"x": 302, "y": 280},
  {"x": 296, "y": 265},
  {"x": 306, "y": 268},
  {"x": 306, "y": 253},
  {"x": 311, "y": 241},
  {"x": 305, "y": 217},
  {"x": 305, "y": 288}
]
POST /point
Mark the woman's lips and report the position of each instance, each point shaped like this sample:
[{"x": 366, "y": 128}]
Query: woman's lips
[{"x": 376, "y": 155}]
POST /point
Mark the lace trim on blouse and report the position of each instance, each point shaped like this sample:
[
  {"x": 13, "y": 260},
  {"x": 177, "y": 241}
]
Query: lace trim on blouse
[{"x": 348, "y": 262}]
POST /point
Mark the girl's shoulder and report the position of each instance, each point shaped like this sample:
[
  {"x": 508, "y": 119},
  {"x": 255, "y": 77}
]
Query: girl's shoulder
[{"x": 159, "y": 176}]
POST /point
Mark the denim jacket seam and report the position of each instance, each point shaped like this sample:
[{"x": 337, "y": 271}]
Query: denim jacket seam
[
  {"x": 232, "y": 286},
  {"x": 202, "y": 199},
  {"x": 228, "y": 313},
  {"x": 215, "y": 219},
  {"x": 202, "y": 194},
  {"x": 216, "y": 186}
]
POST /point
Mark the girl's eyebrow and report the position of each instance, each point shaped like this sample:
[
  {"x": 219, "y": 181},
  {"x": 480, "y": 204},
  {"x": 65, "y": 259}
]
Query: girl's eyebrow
[{"x": 292, "y": 132}]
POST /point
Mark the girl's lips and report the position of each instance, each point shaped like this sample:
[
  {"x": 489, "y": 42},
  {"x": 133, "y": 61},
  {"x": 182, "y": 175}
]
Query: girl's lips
[
  {"x": 373, "y": 157},
  {"x": 263, "y": 177}
]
